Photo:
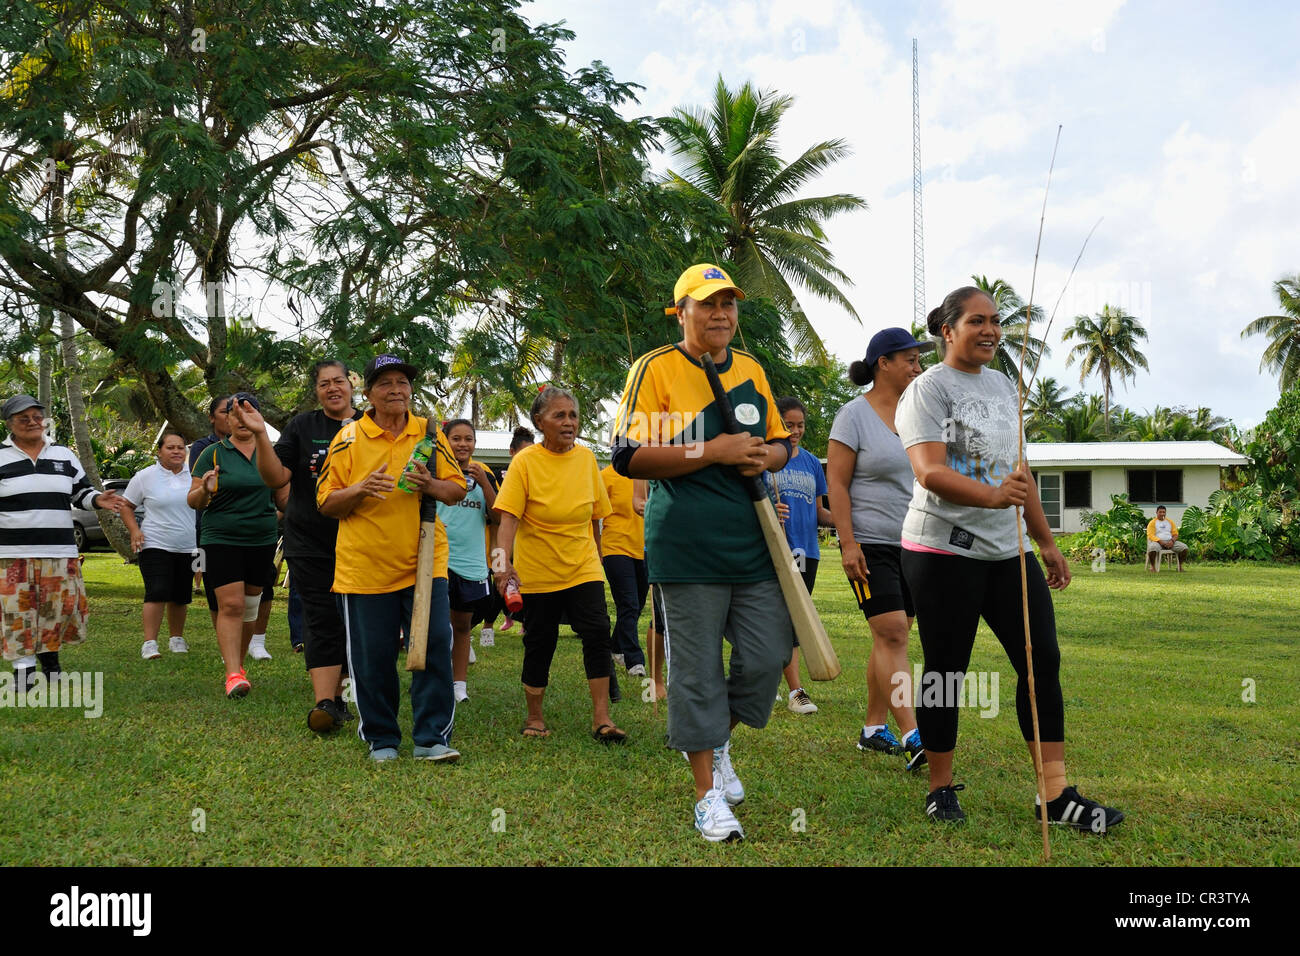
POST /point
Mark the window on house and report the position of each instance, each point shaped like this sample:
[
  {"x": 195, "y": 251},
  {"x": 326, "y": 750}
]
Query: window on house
[
  {"x": 1147, "y": 486},
  {"x": 1078, "y": 489}
]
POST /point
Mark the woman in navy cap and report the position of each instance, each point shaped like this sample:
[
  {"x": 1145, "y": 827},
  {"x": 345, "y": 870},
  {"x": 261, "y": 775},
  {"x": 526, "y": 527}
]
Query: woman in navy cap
[{"x": 870, "y": 481}]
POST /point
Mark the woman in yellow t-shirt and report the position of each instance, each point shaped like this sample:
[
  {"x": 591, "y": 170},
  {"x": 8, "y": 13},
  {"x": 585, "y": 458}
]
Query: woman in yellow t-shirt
[{"x": 550, "y": 503}]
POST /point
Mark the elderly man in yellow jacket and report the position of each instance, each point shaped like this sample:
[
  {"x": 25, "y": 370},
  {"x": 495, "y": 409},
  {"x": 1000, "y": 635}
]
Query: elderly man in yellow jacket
[{"x": 1162, "y": 535}]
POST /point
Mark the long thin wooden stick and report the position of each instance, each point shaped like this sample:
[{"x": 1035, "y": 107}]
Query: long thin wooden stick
[
  {"x": 1052, "y": 318},
  {"x": 651, "y": 636},
  {"x": 1020, "y": 538}
]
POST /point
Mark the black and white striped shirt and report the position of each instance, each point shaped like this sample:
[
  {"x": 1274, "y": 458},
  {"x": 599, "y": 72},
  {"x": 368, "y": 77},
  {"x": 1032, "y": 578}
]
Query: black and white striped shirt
[{"x": 36, "y": 498}]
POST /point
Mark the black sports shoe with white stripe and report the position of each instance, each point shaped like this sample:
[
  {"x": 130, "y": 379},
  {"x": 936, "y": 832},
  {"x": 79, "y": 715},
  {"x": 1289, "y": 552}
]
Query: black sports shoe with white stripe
[
  {"x": 1071, "y": 809},
  {"x": 942, "y": 804}
]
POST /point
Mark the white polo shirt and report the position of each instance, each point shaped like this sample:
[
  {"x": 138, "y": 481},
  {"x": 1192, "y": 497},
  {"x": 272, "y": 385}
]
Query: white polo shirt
[{"x": 168, "y": 520}]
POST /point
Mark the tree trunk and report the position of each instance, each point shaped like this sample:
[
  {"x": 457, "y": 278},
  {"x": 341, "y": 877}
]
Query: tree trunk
[
  {"x": 473, "y": 404},
  {"x": 114, "y": 530},
  {"x": 45, "y": 346}
]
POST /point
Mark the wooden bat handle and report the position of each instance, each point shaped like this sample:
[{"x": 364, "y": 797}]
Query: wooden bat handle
[{"x": 753, "y": 484}]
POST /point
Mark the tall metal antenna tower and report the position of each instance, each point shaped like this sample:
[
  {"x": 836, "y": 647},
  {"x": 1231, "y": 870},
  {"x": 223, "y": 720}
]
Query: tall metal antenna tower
[{"x": 918, "y": 238}]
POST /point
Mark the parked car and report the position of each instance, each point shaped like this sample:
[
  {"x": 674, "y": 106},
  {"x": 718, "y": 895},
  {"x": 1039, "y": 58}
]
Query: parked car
[{"x": 85, "y": 522}]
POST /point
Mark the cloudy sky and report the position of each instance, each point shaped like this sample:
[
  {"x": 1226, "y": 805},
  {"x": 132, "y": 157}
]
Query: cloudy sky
[{"x": 1180, "y": 125}]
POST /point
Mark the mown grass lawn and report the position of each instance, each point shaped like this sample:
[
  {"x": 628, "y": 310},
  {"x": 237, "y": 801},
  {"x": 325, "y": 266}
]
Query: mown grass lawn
[{"x": 1155, "y": 669}]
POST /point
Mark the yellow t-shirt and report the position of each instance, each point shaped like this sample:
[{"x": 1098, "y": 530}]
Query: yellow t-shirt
[
  {"x": 555, "y": 497},
  {"x": 623, "y": 532},
  {"x": 377, "y": 543}
]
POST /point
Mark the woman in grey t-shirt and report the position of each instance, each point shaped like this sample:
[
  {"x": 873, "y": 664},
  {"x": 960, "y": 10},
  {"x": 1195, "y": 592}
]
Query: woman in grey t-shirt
[
  {"x": 870, "y": 481},
  {"x": 960, "y": 425}
]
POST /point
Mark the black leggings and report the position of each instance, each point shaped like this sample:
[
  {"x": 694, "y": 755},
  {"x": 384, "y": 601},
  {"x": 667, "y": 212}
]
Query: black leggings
[
  {"x": 952, "y": 593},
  {"x": 584, "y": 605}
]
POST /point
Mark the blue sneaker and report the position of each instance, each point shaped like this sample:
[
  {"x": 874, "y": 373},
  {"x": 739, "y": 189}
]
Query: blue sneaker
[
  {"x": 437, "y": 752},
  {"x": 882, "y": 740},
  {"x": 383, "y": 754},
  {"x": 915, "y": 752}
]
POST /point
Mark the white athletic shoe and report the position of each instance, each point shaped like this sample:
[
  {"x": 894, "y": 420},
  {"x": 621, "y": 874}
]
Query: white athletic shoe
[
  {"x": 149, "y": 650},
  {"x": 618, "y": 659},
  {"x": 460, "y": 691},
  {"x": 257, "y": 649},
  {"x": 714, "y": 819},
  {"x": 636, "y": 670},
  {"x": 486, "y": 638},
  {"x": 724, "y": 776},
  {"x": 472, "y": 658},
  {"x": 801, "y": 703},
  {"x": 177, "y": 645}
]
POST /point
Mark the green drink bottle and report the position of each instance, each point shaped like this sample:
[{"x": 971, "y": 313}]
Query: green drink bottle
[{"x": 423, "y": 449}]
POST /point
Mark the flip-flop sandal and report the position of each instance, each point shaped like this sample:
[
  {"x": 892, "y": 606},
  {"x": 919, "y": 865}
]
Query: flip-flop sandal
[
  {"x": 528, "y": 730},
  {"x": 613, "y": 737}
]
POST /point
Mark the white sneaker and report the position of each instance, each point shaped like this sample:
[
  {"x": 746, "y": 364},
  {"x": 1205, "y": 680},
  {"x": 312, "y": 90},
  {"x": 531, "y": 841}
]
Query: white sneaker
[
  {"x": 636, "y": 670},
  {"x": 724, "y": 776},
  {"x": 149, "y": 650},
  {"x": 486, "y": 638},
  {"x": 257, "y": 650},
  {"x": 459, "y": 690},
  {"x": 472, "y": 658},
  {"x": 618, "y": 659},
  {"x": 177, "y": 645},
  {"x": 714, "y": 819},
  {"x": 801, "y": 703}
]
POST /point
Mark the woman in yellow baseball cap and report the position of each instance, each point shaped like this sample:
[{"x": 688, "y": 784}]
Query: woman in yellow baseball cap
[{"x": 704, "y": 549}]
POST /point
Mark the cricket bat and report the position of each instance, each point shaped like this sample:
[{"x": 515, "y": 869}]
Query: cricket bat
[
  {"x": 818, "y": 653},
  {"x": 419, "y": 641}
]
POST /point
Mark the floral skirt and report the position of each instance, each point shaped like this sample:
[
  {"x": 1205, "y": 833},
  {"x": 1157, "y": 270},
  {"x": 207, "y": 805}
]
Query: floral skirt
[{"x": 42, "y": 605}]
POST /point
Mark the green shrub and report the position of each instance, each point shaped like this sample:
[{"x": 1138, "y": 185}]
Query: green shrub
[
  {"x": 1236, "y": 524},
  {"x": 1120, "y": 532}
]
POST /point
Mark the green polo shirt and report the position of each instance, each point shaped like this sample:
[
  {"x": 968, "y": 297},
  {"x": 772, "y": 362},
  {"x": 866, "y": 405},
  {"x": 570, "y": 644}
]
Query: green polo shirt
[{"x": 241, "y": 512}]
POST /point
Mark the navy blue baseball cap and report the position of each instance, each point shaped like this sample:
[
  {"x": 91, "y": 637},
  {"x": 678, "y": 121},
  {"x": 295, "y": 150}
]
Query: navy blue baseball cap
[
  {"x": 382, "y": 363},
  {"x": 888, "y": 341}
]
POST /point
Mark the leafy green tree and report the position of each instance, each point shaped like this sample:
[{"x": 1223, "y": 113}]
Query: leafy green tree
[
  {"x": 770, "y": 238},
  {"x": 1274, "y": 447},
  {"x": 1282, "y": 354},
  {"x": 1108, "y": 346},
  {"x": 382, "y": 170},
  {"x": 1015, "y": 329}
]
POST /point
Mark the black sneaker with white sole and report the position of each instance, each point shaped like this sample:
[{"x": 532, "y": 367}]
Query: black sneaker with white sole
[
  {"x": 1073, "y": 810},
  {"x": 942, "y": 804}
]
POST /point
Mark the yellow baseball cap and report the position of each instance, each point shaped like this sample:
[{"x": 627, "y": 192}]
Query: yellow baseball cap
[{"x": 699, "y": 282}]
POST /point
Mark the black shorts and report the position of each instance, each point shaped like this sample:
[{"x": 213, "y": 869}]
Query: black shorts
[
  {"x": 886, "y": 590},
  {"x": 168, "y": 576},
  {"x": 472, "y": 596},
  {"x": 227, "y": 563}
]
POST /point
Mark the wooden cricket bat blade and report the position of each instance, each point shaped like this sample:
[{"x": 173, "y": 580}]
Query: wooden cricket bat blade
[
  {"x": 419, "y": 642},
  {"x": 818, "y": 653}
]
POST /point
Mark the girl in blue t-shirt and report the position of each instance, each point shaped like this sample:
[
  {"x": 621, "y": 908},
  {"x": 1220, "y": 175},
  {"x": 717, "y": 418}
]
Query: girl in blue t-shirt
[
  {"x": 799, "y": 490},
  {"x": 468, "y": 590}
]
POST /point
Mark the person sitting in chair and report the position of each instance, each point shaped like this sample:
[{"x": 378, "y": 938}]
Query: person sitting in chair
[{"x": 1162, "y": 535}]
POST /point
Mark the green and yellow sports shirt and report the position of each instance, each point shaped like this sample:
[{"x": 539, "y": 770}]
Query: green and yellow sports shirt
[{"x": 699, "y": 528}]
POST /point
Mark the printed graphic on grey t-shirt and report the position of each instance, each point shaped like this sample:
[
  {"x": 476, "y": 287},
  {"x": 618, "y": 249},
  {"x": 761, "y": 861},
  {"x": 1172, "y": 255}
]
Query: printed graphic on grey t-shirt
[{"x": 987, "y": 439}]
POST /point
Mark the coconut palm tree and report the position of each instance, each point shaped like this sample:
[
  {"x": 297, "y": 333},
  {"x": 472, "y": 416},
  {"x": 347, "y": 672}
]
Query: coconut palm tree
[
  {"x": 1282, "y": 354},
  {"x": 772, "y": 238},
  {"x": 1011, "y": 308},
  {"x": 1107, "y": 345},
  {"x": 1081, "y": 419},
  {"x": 1043, "y": 405}
]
